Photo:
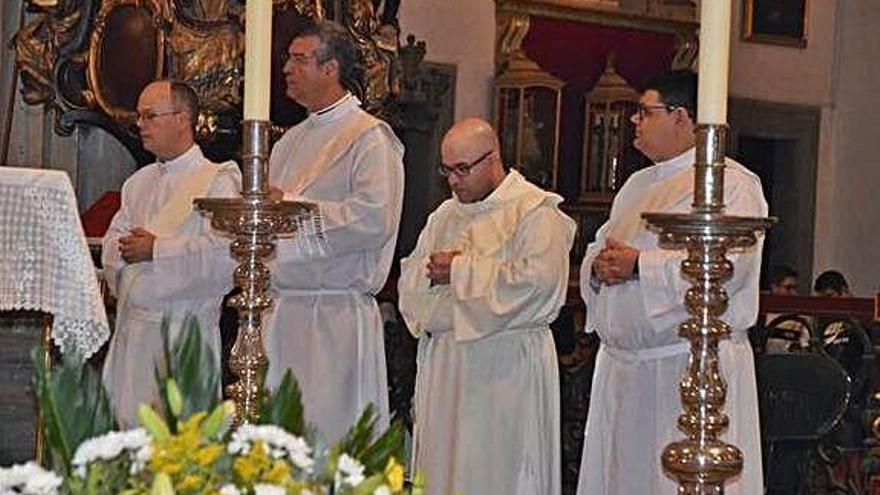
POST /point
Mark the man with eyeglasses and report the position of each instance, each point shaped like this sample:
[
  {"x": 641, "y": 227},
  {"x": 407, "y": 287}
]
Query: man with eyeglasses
[
  {"x": 162, "y": 259},
  {"x": 634, "y": 293},
  {"x": 487, "y": 276},
  {"x": 326, "y": 326}
]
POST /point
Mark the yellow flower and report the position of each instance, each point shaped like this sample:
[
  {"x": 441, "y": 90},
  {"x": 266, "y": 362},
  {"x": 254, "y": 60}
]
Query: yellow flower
[
  {"x": 250, "y": 466},
  {"x": 394, "y": 474},
  {"x": 190, "y": 482},
  {"x": 208, "y": 454},
  {"x": 278, "y": 473}
]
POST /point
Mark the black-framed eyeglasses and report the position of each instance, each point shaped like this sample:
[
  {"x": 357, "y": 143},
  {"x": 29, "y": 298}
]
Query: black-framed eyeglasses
[
  {"x": 150, "y": 116},
  {"x": 462, "y": 169},
  {"x": 647, "y": 109}
]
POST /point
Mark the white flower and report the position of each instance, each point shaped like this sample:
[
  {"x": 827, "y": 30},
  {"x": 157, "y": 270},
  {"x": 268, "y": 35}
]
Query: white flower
[
  {"x": 229, "y": 490},
  {"x": 109, "y": 446},
  {"x": 265, "y": 489},
  {"x": 30, "y": 479},
  {"x": 279, "y": 443},
  {"x": 141, "y": 458},
  {"x": 349, "y": 471},
  {"x": 382, "y": 490}
]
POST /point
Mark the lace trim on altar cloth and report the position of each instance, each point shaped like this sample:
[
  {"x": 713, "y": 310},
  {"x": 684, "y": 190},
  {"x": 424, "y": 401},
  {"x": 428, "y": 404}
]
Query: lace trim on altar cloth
[{"x": 45, "y": 263}]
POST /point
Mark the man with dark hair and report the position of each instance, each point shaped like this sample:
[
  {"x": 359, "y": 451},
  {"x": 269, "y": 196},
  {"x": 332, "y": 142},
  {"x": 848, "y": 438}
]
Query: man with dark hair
[
  {"x": 783, "y": 280},
  {"x": 635, "y": 293},
  {"x": 161, "y": 258},
  {"x": 326, "y": 326},
  {"x": 831, "y": 283}
]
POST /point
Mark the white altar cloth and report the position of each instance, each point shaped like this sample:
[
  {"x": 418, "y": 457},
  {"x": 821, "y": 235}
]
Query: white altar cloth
[{"x": 45, "y": 263}]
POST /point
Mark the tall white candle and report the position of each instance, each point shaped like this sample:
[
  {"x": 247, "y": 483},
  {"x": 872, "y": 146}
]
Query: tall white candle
[
  {"x": 714, "y": 61},
  {"x": 257, "y": 59}
]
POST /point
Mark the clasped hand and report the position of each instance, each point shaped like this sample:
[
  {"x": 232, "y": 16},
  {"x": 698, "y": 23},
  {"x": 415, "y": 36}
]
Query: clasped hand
[
  {"x": 137, "y": 246},
  {"x": 440, "y": 266},
  {"x": 615, "y": 262}
]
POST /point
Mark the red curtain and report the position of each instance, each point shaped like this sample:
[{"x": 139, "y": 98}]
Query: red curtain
[{"x": 575, "y": 52}]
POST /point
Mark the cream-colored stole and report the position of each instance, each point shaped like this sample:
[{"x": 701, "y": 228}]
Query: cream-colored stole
[
  {"x": 329, "y": 154},
  {"x": 657, "y": 198},
  {"x": 177, "y": 210}
]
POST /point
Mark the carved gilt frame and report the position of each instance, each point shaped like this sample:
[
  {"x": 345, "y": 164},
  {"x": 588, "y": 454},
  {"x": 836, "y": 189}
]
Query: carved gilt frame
[
  {"x": 158, "y": 9},
  {"x": 596, "y": 13}
]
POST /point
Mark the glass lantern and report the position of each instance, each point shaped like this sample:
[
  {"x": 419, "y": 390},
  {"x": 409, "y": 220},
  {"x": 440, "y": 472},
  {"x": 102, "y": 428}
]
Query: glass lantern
[
  {"x": 608, "y": 134},
  {"x": 527, "y": 105}
]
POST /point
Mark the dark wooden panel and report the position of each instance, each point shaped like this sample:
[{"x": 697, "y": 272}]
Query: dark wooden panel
[{"x": 19, "y": 333}]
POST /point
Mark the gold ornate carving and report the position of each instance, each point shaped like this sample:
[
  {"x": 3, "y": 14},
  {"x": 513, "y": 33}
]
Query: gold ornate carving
[
  {"x": 669, "y": 20},
  {"x": 69, "y": 55},
  {"x": 512, "y": 28},
  {"x": 687, "y": 46},
  {"x": 36, "y": 46},
  {"x": 378, "y": 47},
  {"x": 210, "y": 60},
  {"x": 159, "y": 14}
]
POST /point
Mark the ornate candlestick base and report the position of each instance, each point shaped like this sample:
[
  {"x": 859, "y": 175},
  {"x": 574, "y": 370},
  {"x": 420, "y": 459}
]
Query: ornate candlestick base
[
  {"x": 255, "y": 222},
  {"x": 702, "y": 462}
]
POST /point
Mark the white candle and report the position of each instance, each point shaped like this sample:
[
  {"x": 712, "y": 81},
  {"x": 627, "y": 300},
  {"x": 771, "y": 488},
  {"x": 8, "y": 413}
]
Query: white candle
[
  {"x": 714, "y": 61},
  {"x": 257, "y": 59}
]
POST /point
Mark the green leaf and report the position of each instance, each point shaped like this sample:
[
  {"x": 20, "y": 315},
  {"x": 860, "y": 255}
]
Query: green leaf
[
  {"x": 214, "y": 425},
  {"x": 391, "y": 444},
  {"x": 369, "y": 485},
  {"x": 153, "y": 423},
  {"x": 175, "y": 401},
  {"x": 74, "y": 405},
  {"x": 284, "y": 407},
  {"x": 193, "y": 366},
  {"x": 373, "y": 454}
]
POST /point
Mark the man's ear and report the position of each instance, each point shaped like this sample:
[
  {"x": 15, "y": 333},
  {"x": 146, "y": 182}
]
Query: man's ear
[
  {"x": 682, "y": 117},
  {"x": 331, "y": 67}
]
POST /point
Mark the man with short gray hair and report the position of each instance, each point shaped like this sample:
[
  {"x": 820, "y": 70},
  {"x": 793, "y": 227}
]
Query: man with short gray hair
[{"x": 325, "y": 325}]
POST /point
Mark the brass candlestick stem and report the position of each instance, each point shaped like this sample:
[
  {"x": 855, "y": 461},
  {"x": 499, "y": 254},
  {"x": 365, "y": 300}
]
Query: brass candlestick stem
[
  {"x": 255, "y": 222},
  {"x": 702, "y": 462}
]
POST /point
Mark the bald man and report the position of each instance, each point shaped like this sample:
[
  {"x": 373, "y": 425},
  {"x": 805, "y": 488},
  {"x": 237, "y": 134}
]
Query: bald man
[
  {"x": 487, "y": 276},
  {"x": 162, "y": 259}
]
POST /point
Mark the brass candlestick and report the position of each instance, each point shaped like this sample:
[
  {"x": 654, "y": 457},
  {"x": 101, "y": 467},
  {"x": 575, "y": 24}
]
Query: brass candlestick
[
  {"x": 255, "y": 222},
  {"x": 702, "y": 462}
]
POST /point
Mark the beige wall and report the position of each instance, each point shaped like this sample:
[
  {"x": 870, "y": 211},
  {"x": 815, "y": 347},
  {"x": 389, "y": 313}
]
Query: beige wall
[
  {"x": 460, "y": 32},
  {"x": 785, "y": 74},
  {"x": 838, "y": 72},
  {"x": 850, "y": 216}
]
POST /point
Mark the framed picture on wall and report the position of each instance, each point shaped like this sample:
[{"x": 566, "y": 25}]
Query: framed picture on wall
[{"x": 781, "y": 22}]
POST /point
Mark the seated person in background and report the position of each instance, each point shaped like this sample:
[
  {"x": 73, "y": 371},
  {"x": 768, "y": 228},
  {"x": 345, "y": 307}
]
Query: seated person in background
[
  {"x": 789, "y": 334},
  {"x": 831, "y": 283},
  {"x": 846, "y": 341}
]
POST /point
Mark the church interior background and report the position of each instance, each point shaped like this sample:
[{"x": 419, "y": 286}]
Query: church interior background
[{"x": 558, "y": 77}]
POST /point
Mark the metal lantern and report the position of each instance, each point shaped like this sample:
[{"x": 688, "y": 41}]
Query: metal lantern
[
  {"x": 527, "y": 106},
  {"x": 608, "y": 132}
]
